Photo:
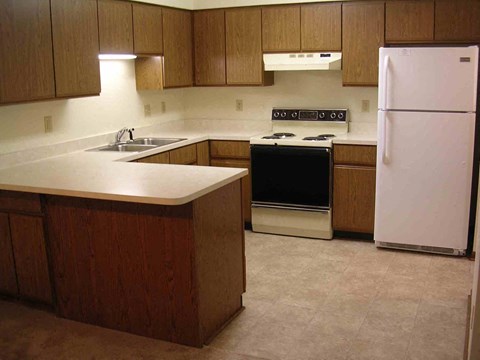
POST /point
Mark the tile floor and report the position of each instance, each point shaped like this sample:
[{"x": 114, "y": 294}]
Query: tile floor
[{"x": 306, "y": 299}]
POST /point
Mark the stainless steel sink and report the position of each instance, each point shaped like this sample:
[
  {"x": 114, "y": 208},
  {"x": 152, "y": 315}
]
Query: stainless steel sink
[
  {"x": 156, "y": 141},
  {"x": 125, "y": 147},
  {"x": 137, "y": 145}
]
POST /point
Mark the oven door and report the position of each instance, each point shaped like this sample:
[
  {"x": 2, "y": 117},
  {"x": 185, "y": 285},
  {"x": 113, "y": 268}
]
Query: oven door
[{"x": 291, "y": 177}]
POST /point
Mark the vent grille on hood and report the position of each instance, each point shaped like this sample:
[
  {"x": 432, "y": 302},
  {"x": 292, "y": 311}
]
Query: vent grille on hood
[{"x": 303, "y": 61}]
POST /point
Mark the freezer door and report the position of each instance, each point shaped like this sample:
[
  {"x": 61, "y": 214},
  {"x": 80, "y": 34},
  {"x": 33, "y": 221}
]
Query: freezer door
[
  {"x": 424, "y": 175},
  {"x": 428, "y": 79}
]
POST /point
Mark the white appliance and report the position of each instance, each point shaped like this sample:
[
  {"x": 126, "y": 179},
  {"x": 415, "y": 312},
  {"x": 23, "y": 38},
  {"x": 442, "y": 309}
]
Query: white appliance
[
  {"x": 291, "y": 172},
  {"x": 303, "y": 61},
  {"x": 426, "y": 126}
]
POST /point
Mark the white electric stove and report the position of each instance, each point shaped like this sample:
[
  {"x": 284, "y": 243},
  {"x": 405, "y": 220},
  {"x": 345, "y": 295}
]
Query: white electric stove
[{"x": 292, "y": 172}]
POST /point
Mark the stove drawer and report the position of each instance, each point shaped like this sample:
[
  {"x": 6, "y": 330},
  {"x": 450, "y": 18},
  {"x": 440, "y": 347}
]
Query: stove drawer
[{"x": 365, "y": 155}]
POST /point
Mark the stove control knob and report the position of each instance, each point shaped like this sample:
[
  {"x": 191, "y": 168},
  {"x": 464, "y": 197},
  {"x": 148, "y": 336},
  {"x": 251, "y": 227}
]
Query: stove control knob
[
  {"x": 340, "y": 116},
  {"x": 276, "y": 114},
  {"x": 283, "y": 114},
  {"x": 333, "y": 115},
  {"x": 294, "y": 115},
  {"x": 322, "y": 115}
]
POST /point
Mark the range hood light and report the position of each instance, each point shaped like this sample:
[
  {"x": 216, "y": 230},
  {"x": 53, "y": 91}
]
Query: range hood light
[{"x": 117, "y": 56}]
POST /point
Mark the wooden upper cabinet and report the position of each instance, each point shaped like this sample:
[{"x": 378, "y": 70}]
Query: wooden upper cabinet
[
  {"x": 26, "y": 60},
  {"x": 244, "y": 47},
  {"x": 457, "y": 21},
  {"x": 115, "y": 27},
  {"x": 177, "y": 47},
  {"x": 75, "y": 47},
  {"x": 209, "y": 47},
  {"x": 147, "y": 29},
  {"x": 363, "y": 34},
  {"x": 409, "y": 21},
  {"x": 281, "y": 28},
  {"x": 321, "y": 28}
]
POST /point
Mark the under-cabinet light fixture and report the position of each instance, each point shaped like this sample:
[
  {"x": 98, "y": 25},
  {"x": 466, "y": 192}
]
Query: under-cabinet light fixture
[{"x": 116, "y": 56}]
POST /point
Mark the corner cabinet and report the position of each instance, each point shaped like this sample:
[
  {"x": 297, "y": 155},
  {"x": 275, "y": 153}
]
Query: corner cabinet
[
  {"x": 354, "y": 177},
  {"x": 26, "y": 59},
  {"x": 75, "y": 47},
  {"x": 24, "y": 271},
  {"x": 177, "y": 48},
  {"x": 244, "y": 47},
  {"x": 363, "y": 34}
]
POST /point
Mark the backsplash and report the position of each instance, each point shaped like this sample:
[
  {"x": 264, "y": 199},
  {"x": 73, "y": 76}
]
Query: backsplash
[
  {"x": 291, "y": 89},
  {"x": 121, "y": 105}
]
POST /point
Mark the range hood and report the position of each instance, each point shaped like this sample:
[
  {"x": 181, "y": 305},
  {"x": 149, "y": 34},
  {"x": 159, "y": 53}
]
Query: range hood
[{"x": 303, "y": 61}]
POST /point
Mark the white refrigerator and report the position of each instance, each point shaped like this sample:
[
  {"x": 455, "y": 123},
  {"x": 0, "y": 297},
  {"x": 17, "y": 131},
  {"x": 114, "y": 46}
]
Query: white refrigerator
[{"x": 426, "y": 128}]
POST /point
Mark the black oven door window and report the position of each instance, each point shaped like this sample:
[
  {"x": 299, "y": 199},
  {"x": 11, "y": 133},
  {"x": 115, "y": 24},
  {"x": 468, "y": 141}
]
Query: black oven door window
[{"x": 291, "y": 176}]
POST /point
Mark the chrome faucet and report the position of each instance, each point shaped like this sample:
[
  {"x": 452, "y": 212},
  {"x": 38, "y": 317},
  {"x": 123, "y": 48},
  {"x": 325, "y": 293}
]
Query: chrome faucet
[{"x": 121, "y": 132}]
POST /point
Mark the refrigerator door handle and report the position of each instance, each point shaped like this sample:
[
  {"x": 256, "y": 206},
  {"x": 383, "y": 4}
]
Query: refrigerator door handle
[
  {"x": 386, "y": 62},
  {"x": 384, "y": 143}
]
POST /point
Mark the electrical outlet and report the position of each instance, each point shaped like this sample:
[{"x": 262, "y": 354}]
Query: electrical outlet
[
  {"x": 239, "y": 105},
  {"x": 147, "y": 110},
  {"x": 48, "y": 123},
  {"x": 163, "y": 107},
  {"x": 365, "y": 105}
]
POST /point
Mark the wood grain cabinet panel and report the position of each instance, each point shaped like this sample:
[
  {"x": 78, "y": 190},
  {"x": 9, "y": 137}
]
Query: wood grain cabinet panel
[
  {"x": 457, "y": 21},
  {"x": 354, "y": 199},
  {"x": 230, "y": 149},
  {"x": 177, "y": 47},
  {"x": 29, "y": 249},
  {"x": 8, "y": 276},
  {"x": 321, "y": 28},
  {"x": 186, "y": 155},
  {"x": 281, "y": 28},
  {"x": 203, "y": 154},
  {"x": 75, "y": 47},
  {"x": 26, "y": 60},
  {"x": 162, "y": 158},
  {"x": 362, "y": 155},
  {"x": 209, "y": 47},
  {"x": 244, "y": 47},
  {"x": 363, "y": 34},
  {"x": 20, "y": 202},
  {"x": 115, "y": 27},
  {"x": 147, "y": 29},
  {"x": 409, "y": 21}
]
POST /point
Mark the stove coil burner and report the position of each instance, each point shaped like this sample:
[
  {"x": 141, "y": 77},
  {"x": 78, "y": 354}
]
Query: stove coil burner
[
  {"x": 279, "y": 136},
  {"x": 321, "y": 137}
]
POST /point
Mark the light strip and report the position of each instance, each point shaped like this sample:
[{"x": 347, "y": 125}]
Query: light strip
[{"x": 116, "y": 56}]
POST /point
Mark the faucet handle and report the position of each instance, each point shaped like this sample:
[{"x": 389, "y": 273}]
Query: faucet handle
[{"x": 130, "y": 133}]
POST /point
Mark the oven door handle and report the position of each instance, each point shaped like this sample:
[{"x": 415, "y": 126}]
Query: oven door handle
[{"x": 290, "y": 208}]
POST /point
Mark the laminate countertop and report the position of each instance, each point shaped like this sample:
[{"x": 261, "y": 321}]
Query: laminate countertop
[{"x": 112, "y": 175}]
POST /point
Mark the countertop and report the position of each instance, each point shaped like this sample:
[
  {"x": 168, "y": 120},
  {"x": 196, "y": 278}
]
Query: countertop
[{"x": 110, "y": 175}]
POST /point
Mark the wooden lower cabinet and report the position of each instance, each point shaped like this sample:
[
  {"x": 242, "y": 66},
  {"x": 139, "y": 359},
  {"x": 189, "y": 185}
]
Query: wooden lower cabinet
[
  {"x": 195, "y": 154},
  {"x": 354, "y": 176},
  {"x": 8, "y": 276},
  {"x": 186, "y": 155}
]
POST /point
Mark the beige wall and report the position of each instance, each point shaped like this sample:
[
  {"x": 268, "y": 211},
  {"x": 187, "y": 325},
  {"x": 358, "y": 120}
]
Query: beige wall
[{"x": 118, "y": 105}]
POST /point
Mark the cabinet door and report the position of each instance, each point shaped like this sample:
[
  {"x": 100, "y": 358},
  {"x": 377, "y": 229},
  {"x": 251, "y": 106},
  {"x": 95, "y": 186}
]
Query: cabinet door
[
  {"x": 246, "y": 183},
  {"x": 203, "y": 154},
  {"x": 281, "y": 28},
  {"x": 186, "y": 155},
  {"x": 457, "y": 21},
  {"x": 353, "y": 199},
  {"x": 322, "y": 27},
  {"x": 26, "y": 60},
  {"x": 8, "y": 277},
  {"x": 162, "y": 158},
  {"x": 409, "y": 21},
  {"x": 75, "y": 47},
  {"x": 363, "y": 34},
  {"x": 30, "y": 257},
  {"x": 115, "y": 27},
  {"x": 209, "y": 45},
  {"x": 177, "y": 47},
  {"x": 244, "y": 46},
  {"x": 147, "y": 29}
]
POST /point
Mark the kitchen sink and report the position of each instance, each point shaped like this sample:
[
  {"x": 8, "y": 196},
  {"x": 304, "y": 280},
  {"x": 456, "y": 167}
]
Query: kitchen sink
[
  {"x": 156, "y": 141},
  {"x": 137, "y": 145}
]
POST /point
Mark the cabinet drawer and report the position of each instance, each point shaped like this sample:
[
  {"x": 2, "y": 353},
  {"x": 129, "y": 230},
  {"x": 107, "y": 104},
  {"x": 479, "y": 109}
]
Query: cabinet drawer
[
  {"x": 162, "y": 158},
  {"x": 355, "y": 155},
  {"x": 184, "y": 156},
  {"x": 230, "y": 149},
  {"x": 20, "y": 201}
]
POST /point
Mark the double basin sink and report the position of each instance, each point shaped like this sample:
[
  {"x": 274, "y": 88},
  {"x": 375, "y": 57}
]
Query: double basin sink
[{"x": 140, "y": 144}]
